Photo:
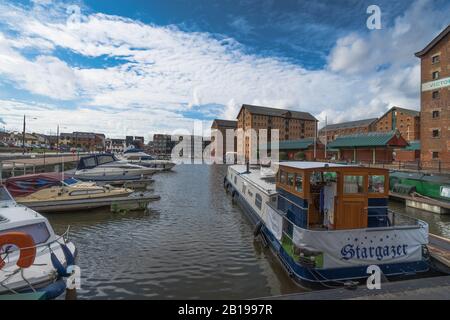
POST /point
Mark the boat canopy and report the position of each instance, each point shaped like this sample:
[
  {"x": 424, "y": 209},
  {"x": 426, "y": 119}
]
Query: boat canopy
[
  {"x": 92, "y": 161},
  {"x": 27, "y": 184},
  {"x": 133, "y": 150}
]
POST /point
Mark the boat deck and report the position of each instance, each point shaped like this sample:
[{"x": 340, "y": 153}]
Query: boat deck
[
  {"x": 433, "y": 288},
  {"x": 255, "y": 175}
]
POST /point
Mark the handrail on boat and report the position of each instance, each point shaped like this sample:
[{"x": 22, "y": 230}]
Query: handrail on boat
[{"x": 395, "y": 220}]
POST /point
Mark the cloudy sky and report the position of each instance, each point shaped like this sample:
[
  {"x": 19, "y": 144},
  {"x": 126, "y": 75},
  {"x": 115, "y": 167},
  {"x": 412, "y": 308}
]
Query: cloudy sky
[{"x": 140, "y": 67}]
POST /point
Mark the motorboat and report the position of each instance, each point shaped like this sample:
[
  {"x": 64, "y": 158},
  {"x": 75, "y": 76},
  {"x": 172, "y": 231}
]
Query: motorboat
[
  {"x": 50, "y": 193},
  {"x": 32, "y": 257},
  {"x": 328, "y": 223},
  {"x": 106, "y": 167},
  {"x": 139, "y": 157}
]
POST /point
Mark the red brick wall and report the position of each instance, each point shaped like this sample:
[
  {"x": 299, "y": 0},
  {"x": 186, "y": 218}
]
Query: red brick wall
[
  {"x": 441, "y": 104},
  {"x": 407, "y": 155}
]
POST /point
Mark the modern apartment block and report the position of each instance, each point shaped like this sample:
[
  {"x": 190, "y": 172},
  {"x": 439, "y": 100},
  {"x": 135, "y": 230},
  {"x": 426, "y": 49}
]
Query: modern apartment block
[
  {"x": 406, "y": 121},
  {"x": 292, "y": 125},
  {"x": 435, "y": 101},
  {"x": 332, "y": 131}
]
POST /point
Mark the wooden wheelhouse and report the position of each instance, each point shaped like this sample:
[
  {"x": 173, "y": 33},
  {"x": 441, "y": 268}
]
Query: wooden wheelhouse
[{"x": 327, "y": 196}]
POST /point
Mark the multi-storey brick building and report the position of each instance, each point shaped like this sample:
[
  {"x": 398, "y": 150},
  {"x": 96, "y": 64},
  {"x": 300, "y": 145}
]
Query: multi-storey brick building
[
  {"x": 292, "y": 125},
  {"x": 222, "y": 126},
  {"x": 435, "y": 101},
  {"x": 332, "y": 131},
  {"x": 406, "y": 121},
  {"x": 88, "y": 141}
]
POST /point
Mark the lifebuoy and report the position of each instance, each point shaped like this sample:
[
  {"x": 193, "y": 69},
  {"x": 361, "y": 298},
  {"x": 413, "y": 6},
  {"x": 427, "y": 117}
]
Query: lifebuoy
[{"x": 25, "y": 243}]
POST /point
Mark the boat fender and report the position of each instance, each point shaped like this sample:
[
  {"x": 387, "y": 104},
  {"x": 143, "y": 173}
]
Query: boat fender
[
  {"x": 70, "y": 259},
  {"x": 62, "y": 272},
  {"x": 54, "y": 290},
  {"x": 26, "y": 245},
  {"x": 257, "y": 229}
]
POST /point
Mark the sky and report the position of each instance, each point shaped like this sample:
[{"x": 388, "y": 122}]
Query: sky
[{"x": 143, "y": 67}]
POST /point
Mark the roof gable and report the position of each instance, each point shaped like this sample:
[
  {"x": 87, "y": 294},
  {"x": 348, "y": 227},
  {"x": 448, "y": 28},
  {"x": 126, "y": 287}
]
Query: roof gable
[
  {"x": 350, "y": 124},
  {"x": 433, "y": 42},
  {"x": 277, "y": 112}
]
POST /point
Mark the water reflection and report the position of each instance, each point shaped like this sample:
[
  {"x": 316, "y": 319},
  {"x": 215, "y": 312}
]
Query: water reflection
[{"x": 193, "y": 243}]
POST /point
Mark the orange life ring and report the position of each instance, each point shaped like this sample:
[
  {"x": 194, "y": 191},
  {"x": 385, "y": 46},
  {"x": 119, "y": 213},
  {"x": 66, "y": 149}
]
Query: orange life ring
[{"x": 26, "y": 246}]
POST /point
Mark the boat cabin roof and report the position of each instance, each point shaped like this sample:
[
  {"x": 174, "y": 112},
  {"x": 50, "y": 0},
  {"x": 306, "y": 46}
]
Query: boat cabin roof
[
  {"x": 13, "y": 214},
  {"x": 92, "y": 161},
  {"x": 255, "y": 176},
  {"x": 327, "y": 166}
]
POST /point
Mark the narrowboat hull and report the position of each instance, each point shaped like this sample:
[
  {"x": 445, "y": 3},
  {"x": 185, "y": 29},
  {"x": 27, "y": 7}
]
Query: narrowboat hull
[{"x": 310, "y": 277}]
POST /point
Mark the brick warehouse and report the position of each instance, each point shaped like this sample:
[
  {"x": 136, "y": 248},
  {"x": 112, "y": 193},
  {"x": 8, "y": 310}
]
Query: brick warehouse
[
  {"x": 406, "y": 121},
  {"x": 292, "y": 125},
  {"x": 332, "y": 131},
  {"x": 435, "y": 101}
]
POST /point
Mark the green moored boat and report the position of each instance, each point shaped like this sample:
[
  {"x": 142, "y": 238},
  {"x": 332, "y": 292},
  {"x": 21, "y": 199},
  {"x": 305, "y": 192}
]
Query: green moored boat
[{"x": 436, "y": 187}]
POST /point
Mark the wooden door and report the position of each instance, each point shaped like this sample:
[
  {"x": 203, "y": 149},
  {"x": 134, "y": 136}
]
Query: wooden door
[{"x": 352, "y": 202}]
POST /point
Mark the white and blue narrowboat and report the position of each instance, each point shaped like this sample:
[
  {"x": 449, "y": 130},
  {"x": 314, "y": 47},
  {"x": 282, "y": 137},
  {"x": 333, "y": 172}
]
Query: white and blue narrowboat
[{"x": 328, "y": 222}]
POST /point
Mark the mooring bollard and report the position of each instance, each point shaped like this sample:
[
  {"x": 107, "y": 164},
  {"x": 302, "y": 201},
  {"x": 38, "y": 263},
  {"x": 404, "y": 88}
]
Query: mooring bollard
[{"x": 71, "y": 294}]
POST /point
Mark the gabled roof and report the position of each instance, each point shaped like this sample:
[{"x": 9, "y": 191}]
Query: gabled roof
[
  {"x": 277, "y": 112},
  {"x": 225, "y": 123},
  {"x": 411, "y": 112},
  {"x": 413, "y": 145},
  {"x": 371, "y": 139},
  {"x": 433, "y": 42},
  {"x": 300, "y": 144},
  {"x": 350, "y": 124}
]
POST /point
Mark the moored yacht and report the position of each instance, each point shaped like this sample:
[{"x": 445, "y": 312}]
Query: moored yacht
[
  {"x": 50, "y": 193},
  {"x": 32, "y": 256},
  {"x": 328, "y": 222},
  {"x": 139, "y": 157},
  {"x": 106, "y": 167}
]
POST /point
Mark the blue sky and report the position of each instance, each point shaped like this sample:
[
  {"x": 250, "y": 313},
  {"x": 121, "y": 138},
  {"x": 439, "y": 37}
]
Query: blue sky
[{"x": 140, "y": 67}]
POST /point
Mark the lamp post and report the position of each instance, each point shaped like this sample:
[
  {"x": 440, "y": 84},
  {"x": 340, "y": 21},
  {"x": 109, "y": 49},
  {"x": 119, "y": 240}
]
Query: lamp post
[{"x": 23, "y": 133}]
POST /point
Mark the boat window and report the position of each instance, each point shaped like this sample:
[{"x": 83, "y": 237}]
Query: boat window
[
  {"x": 70, "y": 181},
  {"x": 4, "y": 195},
  {"x": 376, "y": 183},
  {"x": 250, "y": 193},
  {"x": 258, "y": 200},
  {"x": 37, "y": 231},
  {"x": 105, "y": 159},
  {"x": 89, "y": 162},
  {"x": 235, "y": 179},
  {"x": 299, "y": 183},
  {"x": 282, "y": 177},
  {"x": 353, "y": 184},
  {"x": 290, "y": 179},
  {"x": 244, "y": 188}
]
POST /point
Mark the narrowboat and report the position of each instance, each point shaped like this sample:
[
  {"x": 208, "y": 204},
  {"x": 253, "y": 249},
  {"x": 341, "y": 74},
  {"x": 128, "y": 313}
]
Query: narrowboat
[
  {"x": 432, "y": 186},
  {"x": 327, "y": 223}
]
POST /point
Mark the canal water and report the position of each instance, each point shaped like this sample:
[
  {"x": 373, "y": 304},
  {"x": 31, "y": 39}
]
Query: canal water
[{"x": 192, "y": 244}]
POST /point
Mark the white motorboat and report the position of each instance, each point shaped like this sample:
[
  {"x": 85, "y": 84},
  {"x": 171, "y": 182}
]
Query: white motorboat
[
  {"x": 47, "y": 192},
  {"x": 139, "y": 157},
  {"x": 32, "y": 257},
  {"x": 106, "y": 167}
]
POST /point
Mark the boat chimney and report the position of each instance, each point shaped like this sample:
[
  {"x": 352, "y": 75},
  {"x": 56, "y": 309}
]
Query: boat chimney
[{"x": 248, "y": 167}]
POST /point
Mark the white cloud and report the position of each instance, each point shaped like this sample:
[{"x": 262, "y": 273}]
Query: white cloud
[{"x": 165, "y": 71}]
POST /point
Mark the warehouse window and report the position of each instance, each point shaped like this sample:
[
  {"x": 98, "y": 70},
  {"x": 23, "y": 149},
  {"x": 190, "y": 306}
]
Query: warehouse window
[
  {"x": 435, "y": 155},
  {"x": 435, "y": 94},
  {"x": 435, "y": 75},
  {"x": 436, "y": 133},
  {"x": 436, "y": 114},
  {"x": 435, "y": 59}
]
